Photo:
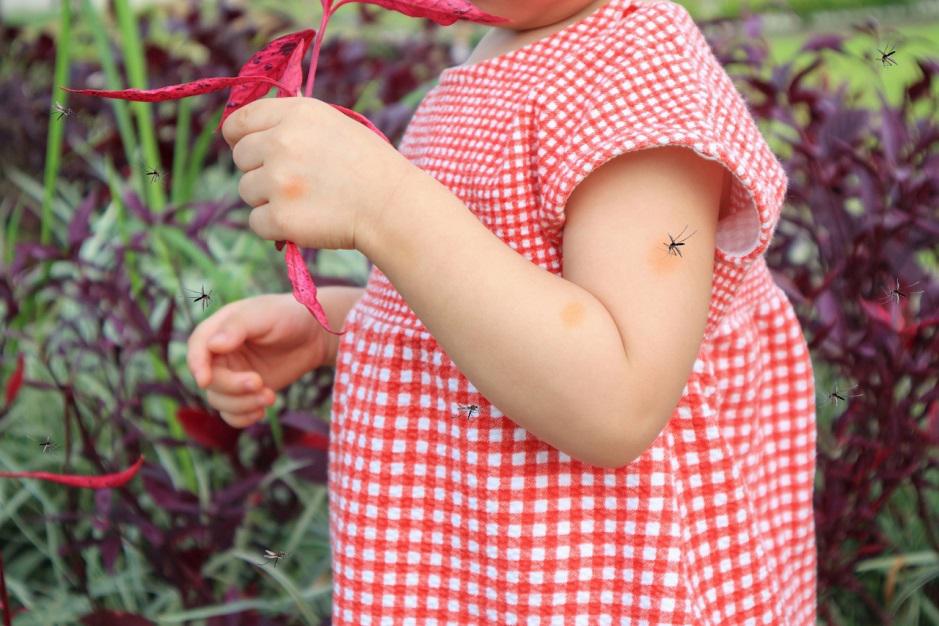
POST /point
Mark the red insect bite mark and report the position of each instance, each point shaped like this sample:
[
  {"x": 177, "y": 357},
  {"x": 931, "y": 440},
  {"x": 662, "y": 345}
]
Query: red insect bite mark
[
  {"x": 294, "y": 188},
  {"x": 573, "y": 314}
]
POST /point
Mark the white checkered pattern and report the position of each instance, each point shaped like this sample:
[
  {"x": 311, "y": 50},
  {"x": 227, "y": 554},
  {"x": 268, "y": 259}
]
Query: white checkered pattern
[{"x": 439, "y": 518}]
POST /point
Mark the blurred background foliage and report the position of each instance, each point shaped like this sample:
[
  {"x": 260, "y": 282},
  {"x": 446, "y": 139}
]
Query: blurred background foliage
[{"x": 115, "y": 216}]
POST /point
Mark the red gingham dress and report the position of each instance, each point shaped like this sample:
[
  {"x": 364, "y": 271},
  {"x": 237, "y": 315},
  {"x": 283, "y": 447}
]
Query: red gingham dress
[{"x": 444, "y": 515}]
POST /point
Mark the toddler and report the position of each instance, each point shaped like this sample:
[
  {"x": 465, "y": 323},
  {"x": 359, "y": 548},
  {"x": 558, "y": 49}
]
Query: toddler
[{"x": 570, "y": 393}]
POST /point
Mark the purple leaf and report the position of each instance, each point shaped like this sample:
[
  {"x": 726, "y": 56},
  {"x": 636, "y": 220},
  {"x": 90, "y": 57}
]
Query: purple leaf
[
  {"x": 823, "y": 41},
  {"x": 79, "y": 229},
  {"x": 157, "y": 484}
]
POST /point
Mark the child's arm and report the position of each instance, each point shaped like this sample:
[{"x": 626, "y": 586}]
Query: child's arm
[
  {"x": 337, "y": 301},
  {"x": 594, "y": 362}
]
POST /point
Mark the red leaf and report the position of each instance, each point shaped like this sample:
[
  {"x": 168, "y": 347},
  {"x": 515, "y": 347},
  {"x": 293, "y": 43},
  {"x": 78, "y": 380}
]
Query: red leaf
[
  {"x": 104, "y": 617},
  {"x": 280, "y": 60},
  {"x": 184, "y": 90},
  {"x": 303, "y": 288},
  {"x": 16, "y": 380},
  {"x": 444, "y": 12},
  {"x": 877, "y": 312},
  {"x": 360, "y": 118},
  {"x": 4, "y": 598},
  {"x": 89, "y": 482},
  {"x": 207, "y": 429},
  {"x": 316, "y": 441}
]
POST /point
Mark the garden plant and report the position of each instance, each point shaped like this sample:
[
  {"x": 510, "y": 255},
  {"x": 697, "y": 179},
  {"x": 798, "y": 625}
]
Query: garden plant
[{"x": 126, "y": 229}]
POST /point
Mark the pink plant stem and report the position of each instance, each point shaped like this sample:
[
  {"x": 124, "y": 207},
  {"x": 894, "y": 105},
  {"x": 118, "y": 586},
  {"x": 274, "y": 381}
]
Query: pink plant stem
[
  {"x": 7, "y": 617},
  {"x": 311, "y": 76}
]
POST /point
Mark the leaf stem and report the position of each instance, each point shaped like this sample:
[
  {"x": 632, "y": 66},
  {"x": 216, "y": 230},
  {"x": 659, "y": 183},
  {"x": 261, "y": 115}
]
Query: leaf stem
[
  {"x": 311, "y": 75},
  {"x": 7, "y": 613}
]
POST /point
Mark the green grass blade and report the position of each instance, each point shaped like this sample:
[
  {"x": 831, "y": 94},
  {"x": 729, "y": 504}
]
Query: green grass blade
[
  {"x": 63, "y": 46},
  {"x": 125, "y": 125},
  {"x": 180, "y": 150},
  {"x": 130, "y": 259},
  {"x": 132, "y": 49},
  {"x": 305, "y": 520},
  {"x": 308, "y": 615},
  {"x": 199, "y": 151}
]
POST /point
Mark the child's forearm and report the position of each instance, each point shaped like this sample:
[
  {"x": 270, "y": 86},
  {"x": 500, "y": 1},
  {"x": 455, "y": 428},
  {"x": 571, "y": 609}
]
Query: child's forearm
[
  {"x": 541, "y": 348},
  {"x": 337, "y": 301}
]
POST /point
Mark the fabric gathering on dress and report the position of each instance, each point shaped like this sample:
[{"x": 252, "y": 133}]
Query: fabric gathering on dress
[{"x": 444, "y": 514}]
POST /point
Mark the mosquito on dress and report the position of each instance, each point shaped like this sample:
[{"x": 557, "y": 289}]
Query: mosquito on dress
[
  {"x": 469, "y": 408},
  {"x": 673, "y": 248},
  {"x": 897, "y": 293},
  {"x": 205, "y": 297}
]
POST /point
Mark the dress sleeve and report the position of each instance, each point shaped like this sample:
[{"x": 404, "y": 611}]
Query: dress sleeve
[{"x": 652, "y": 80}]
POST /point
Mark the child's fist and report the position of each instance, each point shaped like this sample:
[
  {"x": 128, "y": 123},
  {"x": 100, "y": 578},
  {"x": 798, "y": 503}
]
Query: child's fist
[{"x": 313, "y": 175}]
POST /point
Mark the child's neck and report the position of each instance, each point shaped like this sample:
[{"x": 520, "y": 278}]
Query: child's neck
[{"x": 498, "y": 41}]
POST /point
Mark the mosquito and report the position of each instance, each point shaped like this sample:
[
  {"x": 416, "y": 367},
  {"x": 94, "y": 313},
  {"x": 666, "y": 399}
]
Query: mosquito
[
  {"x": 62, "y": 111},
  {"x": 886, "y": 54},
  {"x": 275, "y": 555},
  {"x": 897, "y": 293},
  {"x": 673, "y": 246},
  {"x": 205, "y": 297},
  {"x": 834, "y": 396},
  {"x": 154, "y": 175},
  {"x": 45, "y": 443},
  {"x": 469, "y": 408}
]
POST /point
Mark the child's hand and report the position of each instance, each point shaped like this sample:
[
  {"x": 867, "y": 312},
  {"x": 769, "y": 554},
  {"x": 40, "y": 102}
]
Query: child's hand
[
  {"x": 313, "y": 175},
  {"x": 269, "y": 342}
]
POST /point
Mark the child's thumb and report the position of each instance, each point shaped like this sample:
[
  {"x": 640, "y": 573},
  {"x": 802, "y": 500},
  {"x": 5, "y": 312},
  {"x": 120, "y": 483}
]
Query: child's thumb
[{"x": 225, "y": 341}]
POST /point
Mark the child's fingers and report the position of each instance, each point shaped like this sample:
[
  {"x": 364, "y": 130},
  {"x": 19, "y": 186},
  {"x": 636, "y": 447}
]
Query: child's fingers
[
  {"x": 243, "y": 420},
  {"x": 233, "y": 383},
  {"x": 203, "y": 344},
  {"x": 246, "y": 403}
]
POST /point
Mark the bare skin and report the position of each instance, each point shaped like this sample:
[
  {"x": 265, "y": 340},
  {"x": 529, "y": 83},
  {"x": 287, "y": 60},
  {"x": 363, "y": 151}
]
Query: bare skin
[{"x": 529, "y": 21}]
